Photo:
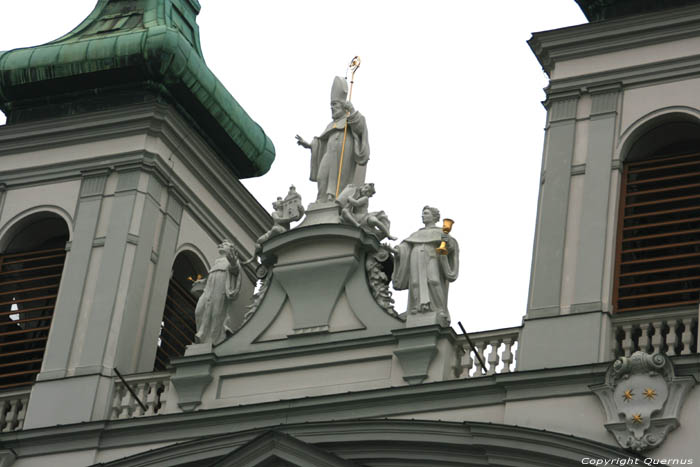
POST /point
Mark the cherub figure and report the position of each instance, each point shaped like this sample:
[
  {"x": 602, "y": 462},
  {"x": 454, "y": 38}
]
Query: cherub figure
[{"x": 355, "y": 211}]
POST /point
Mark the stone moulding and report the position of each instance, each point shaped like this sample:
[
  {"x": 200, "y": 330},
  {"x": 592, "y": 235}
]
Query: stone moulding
[{"x": 642, "y": 398}]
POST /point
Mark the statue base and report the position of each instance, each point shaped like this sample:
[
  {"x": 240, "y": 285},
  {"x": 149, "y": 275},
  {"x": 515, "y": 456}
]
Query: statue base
[
  {"x": 418, "y": 319},
  {"x": 198, "y": 349},
  {"x": 321, "y": 213}
]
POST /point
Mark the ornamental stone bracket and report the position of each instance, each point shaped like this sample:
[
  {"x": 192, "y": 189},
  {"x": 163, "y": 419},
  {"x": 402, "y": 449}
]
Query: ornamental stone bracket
[
  {"x": 417, "y": 347},
  {"x": 193, "y": 375},
  {"x": 642, "y": 398},
  {"x": 7, "y": 457}
]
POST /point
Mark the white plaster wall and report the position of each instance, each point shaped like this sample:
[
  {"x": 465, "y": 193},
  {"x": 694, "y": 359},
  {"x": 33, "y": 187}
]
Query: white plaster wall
[
  {"x": 581, "y": 415},
  {"x": 192, "y": 233},
  {"x": 63, "y": 195},
  {"x": 301, "y": 376},
  {"x": 682, "y": 443},
  {"x": 626, "y": 58},
  {"x": 640, "y": 101}
]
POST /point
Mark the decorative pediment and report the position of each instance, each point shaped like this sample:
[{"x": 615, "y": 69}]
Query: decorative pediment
[{"x": 275, "y": 449}]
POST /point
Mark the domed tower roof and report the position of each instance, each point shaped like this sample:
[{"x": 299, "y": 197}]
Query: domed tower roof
[
  {"x": 126, "y": 50},
  {"x": 600, "y": 10}
]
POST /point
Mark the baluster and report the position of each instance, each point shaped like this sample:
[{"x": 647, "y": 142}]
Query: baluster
[
  {"x": 116, "y": 401},
  {"x": 127, "y": 405},
  {"x": 657, "y": 338},
  {"x": 3, "y": 414},
  {"x": 141, "y": 391},
  {"x": 22, "y": 412},
  {"x": 687, "y": 336},
  {"x": 644, "y": 337},
  {"x": 627, "y": 343},
  {"x": 162, "y": 396},
  {"x": 151, "y": 400},
  {"x": 467, "y": 362},
  {"x": 11, "y": 415},
  {"x": 672, "y": 337},
  {"x": 507, "y": 356},
  {"x": 479, "y": 348},
  {"x": 494, "y": 358},
  {"x": 457, "y": 368}
]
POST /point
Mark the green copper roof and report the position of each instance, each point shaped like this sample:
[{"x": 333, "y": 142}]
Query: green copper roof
[
  {"x": 123, "y": 48},
  {"x": 600, "y": 10}
]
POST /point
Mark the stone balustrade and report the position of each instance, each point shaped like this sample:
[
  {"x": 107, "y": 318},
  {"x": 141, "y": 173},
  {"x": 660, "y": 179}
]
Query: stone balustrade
[
  {"x": 13, "y": 407},
  {"x": 497, "y": 348},
  {"x": 150, "y": 388},
  {"x": 673, "y": 332}
]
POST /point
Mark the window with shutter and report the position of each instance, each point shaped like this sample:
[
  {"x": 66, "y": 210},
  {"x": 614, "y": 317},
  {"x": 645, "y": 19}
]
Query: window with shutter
[
  {"x": 658, "y": 242},
  {"x": 30, "y": 275}
]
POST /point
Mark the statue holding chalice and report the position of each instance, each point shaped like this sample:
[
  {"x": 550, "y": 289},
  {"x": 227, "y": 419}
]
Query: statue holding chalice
[{"x": 425, "y": 263}]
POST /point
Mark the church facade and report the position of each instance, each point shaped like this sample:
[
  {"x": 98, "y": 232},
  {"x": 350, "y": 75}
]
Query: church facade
[{"x": 120, "y": 176}]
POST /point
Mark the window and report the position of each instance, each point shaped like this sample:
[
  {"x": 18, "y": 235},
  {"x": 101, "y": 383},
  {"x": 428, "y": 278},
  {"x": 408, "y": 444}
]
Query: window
[
  {"x": 178, "y": 326},
  {"x": 30, "y": 274},
  {"x": 658, "y": 250}
]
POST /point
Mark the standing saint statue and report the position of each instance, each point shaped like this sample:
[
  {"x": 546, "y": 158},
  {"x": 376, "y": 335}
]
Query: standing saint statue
[
  {"x": 426, "y": 273},
  {"x": 221, "y": 287},
  {"x": 326, "y": 149}
]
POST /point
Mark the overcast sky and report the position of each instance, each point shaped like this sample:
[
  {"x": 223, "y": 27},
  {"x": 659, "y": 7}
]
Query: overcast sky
[{"x": 451, "y": 93}]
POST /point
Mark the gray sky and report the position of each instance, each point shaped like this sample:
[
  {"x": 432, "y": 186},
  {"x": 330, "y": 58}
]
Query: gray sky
[{"x": 451, "y": 93}]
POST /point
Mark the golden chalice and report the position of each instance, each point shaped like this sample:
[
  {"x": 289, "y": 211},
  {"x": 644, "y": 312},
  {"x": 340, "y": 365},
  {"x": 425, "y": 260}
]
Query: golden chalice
[{"x": 446, "y": 228}]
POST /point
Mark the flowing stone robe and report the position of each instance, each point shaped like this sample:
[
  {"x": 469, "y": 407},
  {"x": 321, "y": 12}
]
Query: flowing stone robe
[
  {"x": 424, "y": 272},
  {"x": 223, "y": 283},
  {"x": 325, "y": 155}
]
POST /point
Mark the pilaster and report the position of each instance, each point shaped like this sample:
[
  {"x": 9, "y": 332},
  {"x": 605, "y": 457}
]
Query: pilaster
[
  {"x": 547, "y": 263},
  {"x": 3, "y": 193},
  {"x": 58, "y": 349},
  {"x": 167, "y": 244},
  {"x": 593, "y": 224},
  {"x": 117, "y": 256}
]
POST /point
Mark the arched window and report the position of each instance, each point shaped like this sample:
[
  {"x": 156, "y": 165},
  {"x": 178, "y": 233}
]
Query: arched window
[
  {"x": 658, "y": 246},
  {"x": 31, "y": 264},
  {"x": 178, "y": 326}
]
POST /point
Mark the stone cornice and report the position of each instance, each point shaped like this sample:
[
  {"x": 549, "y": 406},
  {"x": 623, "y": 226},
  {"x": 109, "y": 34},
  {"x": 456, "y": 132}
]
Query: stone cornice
[
  {"x": 609, "y": 36},
  {"x": 376, "y": 403},
  {"x": 154, "y": 119}
]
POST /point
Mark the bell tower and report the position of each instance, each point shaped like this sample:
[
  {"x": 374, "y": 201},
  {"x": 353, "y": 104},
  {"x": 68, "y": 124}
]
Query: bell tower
[
  {"x": 615, "y": 265},
  {"x": 120, "y": 160}
]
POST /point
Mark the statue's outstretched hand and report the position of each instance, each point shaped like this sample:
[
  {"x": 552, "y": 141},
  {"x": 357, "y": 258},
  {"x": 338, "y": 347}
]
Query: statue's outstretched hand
[{"x": 301, "y": 142}]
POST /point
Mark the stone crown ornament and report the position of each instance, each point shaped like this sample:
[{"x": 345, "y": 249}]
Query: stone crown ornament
[{"x": 642, "y": 398}]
